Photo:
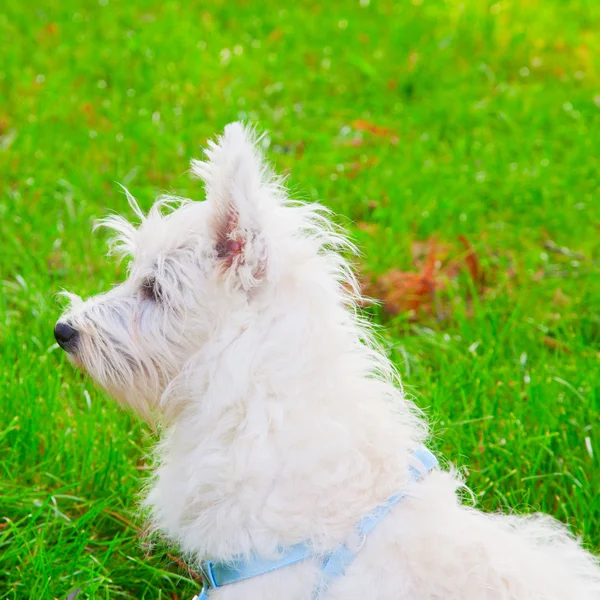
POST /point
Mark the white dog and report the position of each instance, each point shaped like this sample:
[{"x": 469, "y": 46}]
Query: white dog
[{"x": 283, "y": 424}]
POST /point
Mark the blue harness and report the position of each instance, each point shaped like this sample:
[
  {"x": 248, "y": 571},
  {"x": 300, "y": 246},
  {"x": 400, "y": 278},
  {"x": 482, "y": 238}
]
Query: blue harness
[{"x": 333, "y": 564}]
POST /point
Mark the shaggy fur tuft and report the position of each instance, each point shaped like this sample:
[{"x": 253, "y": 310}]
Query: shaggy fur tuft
[{"x": 282, "y": 420}]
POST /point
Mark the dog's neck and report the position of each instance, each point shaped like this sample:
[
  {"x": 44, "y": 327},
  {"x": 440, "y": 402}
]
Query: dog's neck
[{"x": 282, "y": 440}]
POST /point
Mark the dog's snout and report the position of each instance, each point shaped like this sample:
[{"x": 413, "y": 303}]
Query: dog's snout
[{"x": 66, "y": 336}]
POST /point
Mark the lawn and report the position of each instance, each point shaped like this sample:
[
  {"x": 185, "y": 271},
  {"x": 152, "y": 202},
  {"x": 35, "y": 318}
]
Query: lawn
[{"x": 420, "y": 123}]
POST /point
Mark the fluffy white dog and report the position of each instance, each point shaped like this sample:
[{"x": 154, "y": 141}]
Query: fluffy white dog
[{"x": 282, "y": 421}]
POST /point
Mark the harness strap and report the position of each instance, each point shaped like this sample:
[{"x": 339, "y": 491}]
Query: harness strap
[
  {"x": 333, "y": 564},
  {"x": 336, "y": 563},
  {"x": 218, "y": 574}
]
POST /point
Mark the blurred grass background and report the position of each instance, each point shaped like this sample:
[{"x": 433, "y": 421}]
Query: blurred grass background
[{"x": 439, "y": 118}]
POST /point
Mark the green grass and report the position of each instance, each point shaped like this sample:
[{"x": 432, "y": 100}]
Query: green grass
[{"x": 495, "y": 113}]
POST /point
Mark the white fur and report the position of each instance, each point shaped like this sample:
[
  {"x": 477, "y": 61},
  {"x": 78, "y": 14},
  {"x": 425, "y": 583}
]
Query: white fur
[{"x": 282, "y": 420}]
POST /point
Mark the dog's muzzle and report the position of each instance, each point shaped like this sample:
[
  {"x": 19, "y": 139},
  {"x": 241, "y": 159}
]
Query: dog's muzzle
[{"x": 66, "y": 336}]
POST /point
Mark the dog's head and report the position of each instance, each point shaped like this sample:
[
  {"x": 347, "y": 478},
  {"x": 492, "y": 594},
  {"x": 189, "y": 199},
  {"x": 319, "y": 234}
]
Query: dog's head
[{"x": 196, "y": 268}]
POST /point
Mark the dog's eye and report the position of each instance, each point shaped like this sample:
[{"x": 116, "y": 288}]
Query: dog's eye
[{"x": 150, "y": 289}]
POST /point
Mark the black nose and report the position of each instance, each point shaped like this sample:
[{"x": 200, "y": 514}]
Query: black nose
[{"x": 66, "y": 336}]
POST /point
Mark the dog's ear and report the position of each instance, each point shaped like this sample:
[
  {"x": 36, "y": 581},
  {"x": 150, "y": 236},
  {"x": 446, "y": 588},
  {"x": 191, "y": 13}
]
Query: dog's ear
[{"x": 237, "y": 185}]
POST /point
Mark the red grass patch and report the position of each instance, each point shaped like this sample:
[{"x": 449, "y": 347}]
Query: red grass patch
[{"x": 416, "y": 292}]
